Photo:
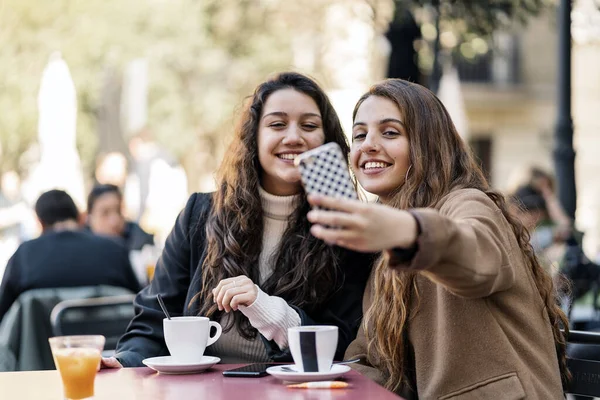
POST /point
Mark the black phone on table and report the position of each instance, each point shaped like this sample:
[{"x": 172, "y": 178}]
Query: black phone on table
[{"x": 249, "y": 371}]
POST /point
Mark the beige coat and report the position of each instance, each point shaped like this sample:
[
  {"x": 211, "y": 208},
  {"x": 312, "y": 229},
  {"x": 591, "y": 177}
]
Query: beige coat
[{"x": 480, "y": 330}]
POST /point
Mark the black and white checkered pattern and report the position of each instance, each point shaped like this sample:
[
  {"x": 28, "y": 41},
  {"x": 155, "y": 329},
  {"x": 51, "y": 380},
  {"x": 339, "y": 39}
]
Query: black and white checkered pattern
[{"x": 325, "y": 172}]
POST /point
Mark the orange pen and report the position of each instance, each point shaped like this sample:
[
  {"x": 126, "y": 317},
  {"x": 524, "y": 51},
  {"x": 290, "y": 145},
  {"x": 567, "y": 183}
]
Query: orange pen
[{"x": 320, "y": 385}]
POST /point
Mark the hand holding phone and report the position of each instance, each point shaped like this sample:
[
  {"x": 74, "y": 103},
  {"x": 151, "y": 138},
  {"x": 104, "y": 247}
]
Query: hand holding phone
[{"x": 324, "y": 171}]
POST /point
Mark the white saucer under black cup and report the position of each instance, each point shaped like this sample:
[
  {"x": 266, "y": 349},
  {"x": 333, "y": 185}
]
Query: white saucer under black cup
[
  {"x": 167, "y": 365},
  {"x": 282, "y": 372}
]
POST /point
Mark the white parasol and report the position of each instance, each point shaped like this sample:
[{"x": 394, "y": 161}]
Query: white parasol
[{"x": 60, "y": 166}]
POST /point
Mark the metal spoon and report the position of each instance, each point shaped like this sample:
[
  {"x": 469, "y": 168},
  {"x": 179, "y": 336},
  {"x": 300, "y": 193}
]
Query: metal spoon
[
  {"x": 289, "y": 369},
  {"x": 162, "y": 305}
]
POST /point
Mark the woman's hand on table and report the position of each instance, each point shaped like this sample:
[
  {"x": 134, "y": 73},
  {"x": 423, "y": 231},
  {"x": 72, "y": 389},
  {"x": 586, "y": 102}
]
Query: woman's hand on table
[
  {"x": 231, "y": 293},
  {"x": 110, "y": 362}
]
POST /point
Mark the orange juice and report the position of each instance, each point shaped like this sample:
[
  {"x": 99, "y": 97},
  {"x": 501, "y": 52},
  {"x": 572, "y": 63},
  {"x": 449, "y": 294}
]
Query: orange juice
[
  {"x": 150, "y": 272},
  {"x": 77, "y": 367}
]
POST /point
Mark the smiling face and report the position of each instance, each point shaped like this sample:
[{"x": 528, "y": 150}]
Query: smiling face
[
  {"x": 380, "y": 155},
  {"x": 290, "y": 124}
]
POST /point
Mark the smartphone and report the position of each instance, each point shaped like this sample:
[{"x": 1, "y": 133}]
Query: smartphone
[
  {"x": 324, "y": 171},
  {"x": 249, "y": 371}
]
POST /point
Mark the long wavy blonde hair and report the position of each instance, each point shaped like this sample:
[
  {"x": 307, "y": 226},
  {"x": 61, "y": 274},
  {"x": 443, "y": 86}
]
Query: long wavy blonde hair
[{"x": 441, "y": 162}]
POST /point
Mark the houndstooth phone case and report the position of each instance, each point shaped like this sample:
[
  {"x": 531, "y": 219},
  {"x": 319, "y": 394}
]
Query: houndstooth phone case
[{"x": 324, "y": 171}]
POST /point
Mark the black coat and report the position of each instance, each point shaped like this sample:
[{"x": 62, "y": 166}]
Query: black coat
[
  {"x": 65, "y": 259},
  {"x": 135, "y": 237},
  {"x": 178, "y": 278}
]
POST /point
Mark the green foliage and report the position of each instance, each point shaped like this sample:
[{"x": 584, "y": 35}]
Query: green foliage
[
  {"x": 481, "y": 17},
  {"x": 203, "y": 57},
  {"x": 467, "y": 25}
]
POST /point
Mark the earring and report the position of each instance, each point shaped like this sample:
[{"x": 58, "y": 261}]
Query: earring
[{"x": 407, "y": 171}]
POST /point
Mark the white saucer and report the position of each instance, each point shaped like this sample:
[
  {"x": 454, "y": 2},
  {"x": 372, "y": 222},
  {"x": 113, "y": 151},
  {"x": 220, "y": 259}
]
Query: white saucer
[
  {"x": 335, "y": 372},
  {"x": 166, "y": 365}
]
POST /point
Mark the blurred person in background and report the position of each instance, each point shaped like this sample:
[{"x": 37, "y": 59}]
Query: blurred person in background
[
  {"x": 529, "y": 206},
  {"x": 535, "y": 203},
  {"x": 113, "y": 168},
  {"x": 64, "y": 255},
  {"x": 105, "y": 217},
  {"x": 534, "y": 181},
  {"x": 543, "y": 182}
]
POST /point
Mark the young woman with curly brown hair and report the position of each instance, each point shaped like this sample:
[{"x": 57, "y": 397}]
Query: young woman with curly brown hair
[
  {"x": 243, "y": 255},
  {"x": 458, "y": 306}
]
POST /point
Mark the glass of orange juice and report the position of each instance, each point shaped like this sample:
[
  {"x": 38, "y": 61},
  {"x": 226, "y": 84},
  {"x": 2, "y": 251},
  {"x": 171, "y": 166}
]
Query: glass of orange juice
[
  {"x": 77, "y": 358},
  {"x": 150, "y": 268}
]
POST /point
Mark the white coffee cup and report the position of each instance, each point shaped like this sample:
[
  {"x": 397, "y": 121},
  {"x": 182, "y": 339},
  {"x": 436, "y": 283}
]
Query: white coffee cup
[
  {"x": 313, "y": 347},
  {"x": 188, "y": 337}
]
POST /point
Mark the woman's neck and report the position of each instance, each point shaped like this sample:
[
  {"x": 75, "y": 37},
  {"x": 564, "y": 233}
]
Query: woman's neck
[{"x": 277, "y": 207}]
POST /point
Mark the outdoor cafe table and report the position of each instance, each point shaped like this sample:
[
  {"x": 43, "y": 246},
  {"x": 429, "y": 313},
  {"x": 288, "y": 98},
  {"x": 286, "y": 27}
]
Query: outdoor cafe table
[{"x": 146, "y": 384}]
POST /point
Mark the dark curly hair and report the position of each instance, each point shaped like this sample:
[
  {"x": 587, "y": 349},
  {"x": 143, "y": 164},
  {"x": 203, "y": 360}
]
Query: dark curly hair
[{"x": 306, "y": 269}]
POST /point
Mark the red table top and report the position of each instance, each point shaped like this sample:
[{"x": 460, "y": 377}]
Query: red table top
[{"x": 146, "y": 384}]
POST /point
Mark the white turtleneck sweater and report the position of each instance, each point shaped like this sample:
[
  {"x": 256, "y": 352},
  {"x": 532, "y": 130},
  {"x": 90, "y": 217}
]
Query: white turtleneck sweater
[{"x": 270, "y": 315}]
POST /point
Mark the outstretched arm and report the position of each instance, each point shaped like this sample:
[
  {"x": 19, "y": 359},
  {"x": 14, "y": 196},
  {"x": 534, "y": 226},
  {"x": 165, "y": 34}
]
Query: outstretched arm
[{"x": 463, "y": 246}]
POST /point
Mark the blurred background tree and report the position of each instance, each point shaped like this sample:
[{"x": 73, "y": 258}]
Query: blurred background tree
[
  {"x": 203, "y": 58},
  {"x": 464, "y": 27}
]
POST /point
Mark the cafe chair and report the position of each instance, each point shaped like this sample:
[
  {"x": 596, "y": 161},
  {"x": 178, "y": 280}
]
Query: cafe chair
[
  {"x": 586, "y": 373},
  {"x": 25, "y": 328},
  {"x": 108, "y": 316}
]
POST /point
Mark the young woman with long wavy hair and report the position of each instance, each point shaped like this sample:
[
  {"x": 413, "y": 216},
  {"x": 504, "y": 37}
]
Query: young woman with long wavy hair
[
  {"x": 458, "y": 306},
  {"x": 243, "y": 255}
]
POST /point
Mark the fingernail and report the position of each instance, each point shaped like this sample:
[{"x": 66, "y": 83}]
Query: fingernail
[{"x": 310, "y": 215}]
